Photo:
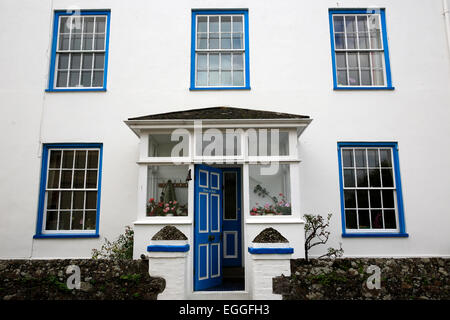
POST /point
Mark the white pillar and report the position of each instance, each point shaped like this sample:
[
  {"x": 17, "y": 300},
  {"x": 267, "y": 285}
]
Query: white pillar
[
  {"x": 269, "y": 260},
  {"x": 168, "y": 260}
]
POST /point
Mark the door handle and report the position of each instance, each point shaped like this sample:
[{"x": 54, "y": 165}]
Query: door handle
[{"x": 211, "y": 238}]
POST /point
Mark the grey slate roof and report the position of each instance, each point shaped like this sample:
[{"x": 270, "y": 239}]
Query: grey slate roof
[{"x": 220, "y": 113}]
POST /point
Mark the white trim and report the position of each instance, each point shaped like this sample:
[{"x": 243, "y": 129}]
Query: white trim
[
  {"x": 218, "y": 212},
  {"x": 207, "y": 178},
  {"x": 219, "y": 267},
  {"x": 207, "y": 261},
  {"x": 218, "y": 181},
  {"x": 235, "y": 235}
]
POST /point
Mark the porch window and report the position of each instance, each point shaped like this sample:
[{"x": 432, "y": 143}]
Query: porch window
[
  {"x": 168, "y": 145},
  {"x": 268, "y": 142},
  {"x": 371, "y": 191},
  {"x": 270, "y": 189},
  {"x": 220, "y": 143},
  {"x": 167, "y": 190}
]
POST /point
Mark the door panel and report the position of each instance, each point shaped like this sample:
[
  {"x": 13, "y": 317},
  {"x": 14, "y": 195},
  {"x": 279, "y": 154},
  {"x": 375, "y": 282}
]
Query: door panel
[
  {"x": 232, "y": 236},
  {"x": 208, "y": 227}
]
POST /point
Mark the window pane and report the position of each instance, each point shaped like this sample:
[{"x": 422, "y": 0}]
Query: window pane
[
  {"x": 226, "y": 78},
  {"x": 77, "y": 220},
  {"x": 377, "y": 219},
  {"x": 88, "y": 25},
  {"x": 213, "y": 24},
  {"x": 68, "y": 159},
  {"x": 225, "y": 25},
  {"x": 52, "y": 220},
  {"x": 347, "y": 156},
  {"x": 78, "y": 200},
  {"x": 342, "y": 77},
  {"x": 100, "y": 24},
  {"x": 87, "y": 61},
  {"x": 361, "y": 175},
  {"x": 374, "y": 176},
  {"x": 213, "y": 41},
  {"x": 362, "y": 23},
  {"x": 364, "y": 60},
  {"x": 363, "y": 40},
  {"x": 341, "y": 60},
  {"x": 366, "y": 77},
  {"x": 64, "y": 42},
  {"x": 66, "y": 200},
  {"x": 202, "y": 41},
  {"x": 53, "y": 179},
  {"x": 387, "y": 178},
  {"x": 225, "y": 42},
  {"x": 364, "y": 220},
  {"x": 55, "y": 159},
  {"x": 74, "y": 78},
  {"x": 360, "y": 157},
  {"x": 202, "y": 62},
  {"x": 338, "y": 22},
  {"x": 202, "y": 78},
  {"x": 99, "y": 61},
  {"x": 378, "y": 77},
  {"x": 238, "y": 78},
  {"x": 352, "y": 60},
  {"x": 66, "y": 179},
  {"x": 91, "y": 199},
  {"x": 225, "y": 61},
  {"x": 166, "y": 145},
  {"x": 80, "y": 159},
  {"x": 52, "y": 199},
  {"x": 75, "y": 61},
  {"x": 78, "y": 179},
  {"x": 64, "y": 220},
  {"x": 87, "y": 41},
  {"x": 350, "y": 24},
  {"x": 97, "y": 80},
  {"x": 375, "y": 198},
  {"x": 388, "y": 199},
  {"x": 363, "y": 198},
  {"x": 90, "y": 220},
  {"x": 349, "y": 178},
  {"x": 372, "y": 155},
  {"x": 202, "y": 24},
  {"x": 238, "y": 62},
  {"x": 350, "y": 219},
  {"x": 214, "y": 78},
  {"x": 75, "y": 42},
  {"x": 237, "y": 24},
  {"x": 339, "y": 41},
  {"x": 269, "y": 189},
  {"x": 349, "y": 199},
  {"x": 63, "y": 61},
  {"x": 351, "y": 40},
  {"x": 237, "y": 41},
  {"x": 167, "y": 191},
  {"x": 64, "y": 25},
  {"x": 99, "y": 42},
  {"x": 230, "y": 199},
  {"x": 214, "y": 62},
  {"x": 86, "y": 77},
  {"x": 385, "y": 156},
  {"x": 353, "y": 78},
  {"x": 375, "y": 39},
  {"x": 61, "y": 79},
  {"x": 389, "y": 219},
  {"x": 92, "y": 159},
  {"x": 91, "y": 179}
]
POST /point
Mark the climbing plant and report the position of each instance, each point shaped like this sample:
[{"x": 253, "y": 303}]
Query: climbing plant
[{"x": 121, "y": 249}]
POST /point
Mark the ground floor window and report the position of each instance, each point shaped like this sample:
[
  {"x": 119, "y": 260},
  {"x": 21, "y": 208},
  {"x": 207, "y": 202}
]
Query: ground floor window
[
  {"x": 167, "y": 190},
  {"x": 370, "y": 188},
  {"x": 70, "y": 189}
]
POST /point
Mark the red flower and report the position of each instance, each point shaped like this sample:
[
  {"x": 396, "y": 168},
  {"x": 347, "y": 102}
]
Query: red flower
[{"x": 151, "y": 199}]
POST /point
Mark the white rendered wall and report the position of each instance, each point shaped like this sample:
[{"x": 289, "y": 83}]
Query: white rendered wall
[{"x": 290, "y": 69}]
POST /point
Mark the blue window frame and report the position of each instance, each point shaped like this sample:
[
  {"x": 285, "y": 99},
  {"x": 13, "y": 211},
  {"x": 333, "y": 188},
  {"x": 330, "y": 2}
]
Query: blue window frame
[
  {"x": 79, "y": 56},
  {"x": 359, "y": 49},
  {"x": 220, "y": 50},
  {"x": 70, "y": 188},
  {"x": 371, "y": 192}
]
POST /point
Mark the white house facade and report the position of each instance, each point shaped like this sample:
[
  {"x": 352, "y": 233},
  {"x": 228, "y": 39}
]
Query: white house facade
[{"x": 224, "y": 118}]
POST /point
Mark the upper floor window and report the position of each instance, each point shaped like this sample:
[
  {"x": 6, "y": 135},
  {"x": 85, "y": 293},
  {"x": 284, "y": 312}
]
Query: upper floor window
[
  {"x": 371, "y": 189},
  {"x": 360, "y": 49},
  {"x": 219, "y": 57},
  {"x": 70, "y": 190},
  {"x": 79, "y": 51}
]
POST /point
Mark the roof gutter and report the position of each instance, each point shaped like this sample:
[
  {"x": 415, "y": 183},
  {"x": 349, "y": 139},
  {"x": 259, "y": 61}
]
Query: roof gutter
[{"x": 446, "y": 13}]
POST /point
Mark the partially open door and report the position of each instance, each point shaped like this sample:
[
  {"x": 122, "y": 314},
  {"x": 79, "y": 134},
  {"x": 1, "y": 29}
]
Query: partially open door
[{"x": 208, "y": 250}]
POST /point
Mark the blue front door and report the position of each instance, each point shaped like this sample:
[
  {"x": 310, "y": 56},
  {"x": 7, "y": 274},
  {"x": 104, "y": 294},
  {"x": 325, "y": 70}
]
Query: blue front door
[{"x": 207, "y": 227}]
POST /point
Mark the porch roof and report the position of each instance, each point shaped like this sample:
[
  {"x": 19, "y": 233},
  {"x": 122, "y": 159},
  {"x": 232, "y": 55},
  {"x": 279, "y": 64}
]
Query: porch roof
[{"x": 222, "y": 113}]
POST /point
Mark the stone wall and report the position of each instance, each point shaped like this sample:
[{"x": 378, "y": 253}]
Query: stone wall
[
  {"x": 405, "y": 279},
  {"x": 100, "y": 279}
]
